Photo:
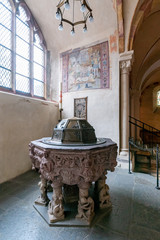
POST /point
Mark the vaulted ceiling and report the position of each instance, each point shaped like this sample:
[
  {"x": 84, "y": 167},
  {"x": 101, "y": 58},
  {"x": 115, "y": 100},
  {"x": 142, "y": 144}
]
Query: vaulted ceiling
[{"x": 145, "y": 43}]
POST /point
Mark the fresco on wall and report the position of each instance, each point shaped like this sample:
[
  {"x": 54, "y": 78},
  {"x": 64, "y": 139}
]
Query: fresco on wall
[
  {"x": 113, "y": 42},
  {"x": 86, "y": 68}
]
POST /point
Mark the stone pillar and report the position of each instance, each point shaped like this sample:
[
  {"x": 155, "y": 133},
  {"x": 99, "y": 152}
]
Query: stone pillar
[
  {"x": 43, "y": 198},
  {"x": 85, "y": 203},
  {"x": 102, "y": 190},
  {"x": 125, "y": 68},
  {"x": 55, "y": 207}
]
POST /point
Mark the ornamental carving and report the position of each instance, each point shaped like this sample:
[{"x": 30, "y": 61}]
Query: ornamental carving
[
  {"x": 85, "y": 206},
  {"x": 55, "y": 207},
  {"x": 71, "y": 166},
  {"x": 125, "y": 65}
]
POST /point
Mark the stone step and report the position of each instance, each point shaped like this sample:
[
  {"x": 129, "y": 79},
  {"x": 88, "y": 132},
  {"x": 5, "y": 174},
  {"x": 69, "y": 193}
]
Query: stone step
[
  {"x": 142, "y": 159},
  {"x": 143, "y": 153},
  {"x": 142, "y": 169}
]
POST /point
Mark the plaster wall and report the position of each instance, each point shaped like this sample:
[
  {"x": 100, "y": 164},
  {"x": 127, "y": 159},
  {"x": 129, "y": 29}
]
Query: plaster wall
[
  {"x": 22, "y": 120},
  {"x": 55, "y": 74},
  {"x": 103, "y": 104}
]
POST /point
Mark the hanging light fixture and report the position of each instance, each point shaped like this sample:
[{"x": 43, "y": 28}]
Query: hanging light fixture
[{"x": 64, "y": 5}]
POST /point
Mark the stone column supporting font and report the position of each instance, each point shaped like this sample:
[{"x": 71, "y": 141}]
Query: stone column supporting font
[
  {"x": 43, "y": 198},
  {"x": 55, "y": 207},
  {"x": 85, "y": 205}
]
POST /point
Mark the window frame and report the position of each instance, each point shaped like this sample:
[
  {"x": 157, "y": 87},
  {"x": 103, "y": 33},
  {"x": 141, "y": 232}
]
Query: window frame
[
  {"x": 158, "y": 91},
  {"x": 34, "y": 29},
  {"x": 155, "y": 92}
]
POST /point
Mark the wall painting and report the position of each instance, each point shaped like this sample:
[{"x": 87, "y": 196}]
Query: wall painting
[{"x": 86, "y": 68}]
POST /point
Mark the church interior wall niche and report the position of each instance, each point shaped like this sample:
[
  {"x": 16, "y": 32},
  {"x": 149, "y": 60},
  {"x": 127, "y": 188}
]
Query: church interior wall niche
[
  {"x": 80, "y": 107},
  {"x": 86, "y": 68}
]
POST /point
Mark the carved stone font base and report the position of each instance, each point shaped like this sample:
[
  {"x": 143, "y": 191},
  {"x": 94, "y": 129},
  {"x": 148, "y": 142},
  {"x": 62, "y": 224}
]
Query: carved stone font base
[{"x": 70, "y": 166}]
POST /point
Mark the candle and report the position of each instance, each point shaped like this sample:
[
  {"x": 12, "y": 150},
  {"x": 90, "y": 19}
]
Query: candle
[{"x": 60, "y": 95}]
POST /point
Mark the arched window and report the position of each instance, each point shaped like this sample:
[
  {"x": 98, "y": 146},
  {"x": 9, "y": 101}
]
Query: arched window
[
  {"x": 158, "y": 97},
  {"x": 22, "y": 50},
  {"x": 5, "y": 44},
  {"x": 38, "y": 67}
]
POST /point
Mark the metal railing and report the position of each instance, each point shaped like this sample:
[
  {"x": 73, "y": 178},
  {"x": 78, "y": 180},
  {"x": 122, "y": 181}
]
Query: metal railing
[
  {"x": 148, "y": 135},
  {"x": 140, "y": 130}
]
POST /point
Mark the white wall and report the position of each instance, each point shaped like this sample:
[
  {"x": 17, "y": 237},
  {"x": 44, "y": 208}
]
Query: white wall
[
  {"x": 103, "y": 104},
  {"x": 22, "y": 120}
]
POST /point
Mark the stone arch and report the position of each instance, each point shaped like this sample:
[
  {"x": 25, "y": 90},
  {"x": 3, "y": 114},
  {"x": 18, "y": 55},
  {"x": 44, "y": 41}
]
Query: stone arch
[{"x": 141, "y": 11}]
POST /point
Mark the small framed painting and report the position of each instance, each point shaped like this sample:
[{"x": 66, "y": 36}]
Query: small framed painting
[{"x": 80, "y": 107}]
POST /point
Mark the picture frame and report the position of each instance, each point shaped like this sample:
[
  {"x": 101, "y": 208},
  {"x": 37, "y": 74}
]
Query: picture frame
[{"x": 80, "y": 107}]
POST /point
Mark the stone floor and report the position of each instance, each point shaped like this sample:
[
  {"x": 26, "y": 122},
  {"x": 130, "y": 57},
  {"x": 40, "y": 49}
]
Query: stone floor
[{"x": 135, "y": 214}]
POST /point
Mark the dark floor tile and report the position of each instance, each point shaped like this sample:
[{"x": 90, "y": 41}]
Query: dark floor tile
[
  {"x": 124, "y": 180},
  {"x": 7, "y": 202},
  {"x": 30, "y": 177},
  {"x": 121, "y": 197},
  {"x": 26, "y": 191},
  {"x": 118, "y": 220},
  {"x": 105, "y": 234},
  {"x": 146, "y": 216},
  {"x": 147, "y": 195},
  {"x": 10, "y": 187},
  {"x": 2, "y": 211},
  {"x": 74, "y": 233},
  {"x": 141, "y": 233}
]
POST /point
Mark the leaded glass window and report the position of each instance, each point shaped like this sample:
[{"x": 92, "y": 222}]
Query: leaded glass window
[
  {"x": 5, "y": 43},
  {"x": 22, "y": 52},
  {"x": 158, "y": 98},
  {"x": 38, "y": 67}
]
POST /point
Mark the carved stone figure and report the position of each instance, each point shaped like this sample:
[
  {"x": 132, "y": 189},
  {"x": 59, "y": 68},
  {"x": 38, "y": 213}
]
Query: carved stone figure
[
  {"x": 85, "y": 206},
  {"x": 43, "y": 198},
  {"x": 103, "y": 193},
  {"x": 55, "y": 207}
]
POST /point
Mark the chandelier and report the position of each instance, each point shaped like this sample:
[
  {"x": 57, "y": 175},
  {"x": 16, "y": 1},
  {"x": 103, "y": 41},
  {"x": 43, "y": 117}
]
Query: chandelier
[{"x": 64, "y": 5}]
